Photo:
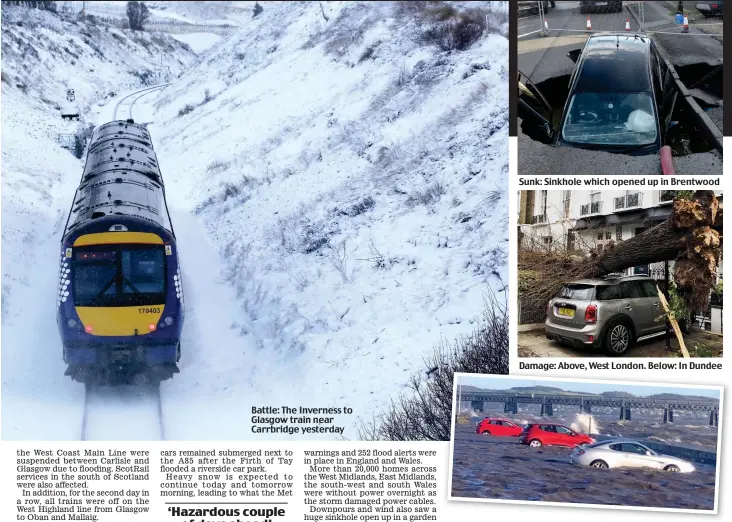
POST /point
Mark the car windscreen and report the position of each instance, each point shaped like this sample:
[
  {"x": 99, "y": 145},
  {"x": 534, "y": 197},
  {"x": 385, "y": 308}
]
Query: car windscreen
[
  {"x": 118, "y": 275},
  {"x": 576, "y": 291},
  {"x": 613, "y": 119}
]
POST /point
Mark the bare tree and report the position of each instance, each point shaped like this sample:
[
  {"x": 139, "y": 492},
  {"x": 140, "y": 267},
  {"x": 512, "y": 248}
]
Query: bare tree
[
  {"x": 44, "y": 5},
  {"x": 137, "y": 14},
  {"x": 257, "y": 9},
  {"x": 426, "y": 412},
  {"x": 322, "y": 10}
]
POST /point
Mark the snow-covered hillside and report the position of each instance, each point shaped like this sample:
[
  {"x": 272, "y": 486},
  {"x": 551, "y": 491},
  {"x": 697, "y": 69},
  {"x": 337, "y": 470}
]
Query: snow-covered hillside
[
  {"x": 352, "y": 179},
  {"x": 337, "y": 183},
  {"x": 42, "y": 56}
]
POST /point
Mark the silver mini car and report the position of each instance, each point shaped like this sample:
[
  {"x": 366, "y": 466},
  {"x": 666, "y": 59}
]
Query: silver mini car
[{"x": 612, "y": 313}]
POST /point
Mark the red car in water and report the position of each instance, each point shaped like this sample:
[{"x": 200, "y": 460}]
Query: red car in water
[
  {"x": 537, "y": 435},
  {"x": 498, "y": 427}
]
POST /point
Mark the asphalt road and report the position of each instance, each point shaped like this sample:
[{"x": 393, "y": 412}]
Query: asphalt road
[
  {"x": 696, "y": 46},
  {"x": 535, "y": 344},
  {"x": 537, "y": 159},
  {"x": 541, "y": 57}
]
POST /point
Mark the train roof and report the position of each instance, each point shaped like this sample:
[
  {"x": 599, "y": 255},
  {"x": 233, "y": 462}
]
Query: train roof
[{"x": 121, "y": 177}]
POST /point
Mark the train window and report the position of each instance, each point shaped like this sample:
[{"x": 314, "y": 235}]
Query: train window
[
  {"x": 118, "y": 275},
  {"x": 90, "y": 280},
  {"x": 143, "y": 270}
]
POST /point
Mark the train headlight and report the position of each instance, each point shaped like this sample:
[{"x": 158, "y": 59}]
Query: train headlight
[
  {"x": 168, "y": 321},
  {"x": 71, "y": 323}
]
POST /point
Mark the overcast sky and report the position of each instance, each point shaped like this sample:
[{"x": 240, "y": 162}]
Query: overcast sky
[{"x": 490, "y": 382}]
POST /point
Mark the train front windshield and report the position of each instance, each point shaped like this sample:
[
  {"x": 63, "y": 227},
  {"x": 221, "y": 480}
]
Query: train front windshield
[{"x": 118, "y": 275}]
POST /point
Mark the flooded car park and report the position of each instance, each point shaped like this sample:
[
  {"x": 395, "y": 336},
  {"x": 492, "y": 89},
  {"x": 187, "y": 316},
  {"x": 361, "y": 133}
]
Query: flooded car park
[{"x": 501, "y": 468}]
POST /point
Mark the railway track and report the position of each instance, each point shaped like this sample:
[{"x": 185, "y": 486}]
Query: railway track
[
  {"x": 128, "y": 102},
  {"x": 127, "y": 412}
]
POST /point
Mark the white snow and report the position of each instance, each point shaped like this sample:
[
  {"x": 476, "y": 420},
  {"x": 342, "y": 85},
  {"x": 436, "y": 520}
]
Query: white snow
[
  {"x": 199, "y": 42},
  {"x": 339, "y": 198}
]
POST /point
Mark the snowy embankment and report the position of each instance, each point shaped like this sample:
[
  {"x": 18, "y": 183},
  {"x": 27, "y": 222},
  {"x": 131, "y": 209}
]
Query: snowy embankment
[
  {"x": 42, "y": 56},
  {"x": 344, "y": 185}
]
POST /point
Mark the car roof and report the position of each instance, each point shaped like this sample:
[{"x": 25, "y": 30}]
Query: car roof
[
  {"x": 609, "y": 281},
  {"x": 614, "y": 62},
  {"x": 615, "y": 441}
]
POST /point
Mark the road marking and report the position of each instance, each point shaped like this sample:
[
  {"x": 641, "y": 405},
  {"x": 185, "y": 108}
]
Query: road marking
[
  {"x": 684, "y": 34},
  {"x": 527, "y": 34}
]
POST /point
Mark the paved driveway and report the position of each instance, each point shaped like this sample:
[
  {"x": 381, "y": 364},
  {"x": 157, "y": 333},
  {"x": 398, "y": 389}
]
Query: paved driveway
[{"x": 699, "y": 343}]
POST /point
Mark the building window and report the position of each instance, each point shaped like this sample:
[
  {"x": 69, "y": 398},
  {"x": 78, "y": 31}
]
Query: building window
[
  {"x": 566, "y": 194},
  {"x": 608, "y": 235},
  {"x": 599, "y": 236},
  {"x": 595, "y": 203},
  {"x": 542, "y": 202},
  {"x": 547, "y": 240},
  {"x": 619, "y": 232}
]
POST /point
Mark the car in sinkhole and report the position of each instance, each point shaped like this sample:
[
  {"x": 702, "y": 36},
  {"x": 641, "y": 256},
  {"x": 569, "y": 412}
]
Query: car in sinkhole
[{"x": 621, "y": 96}]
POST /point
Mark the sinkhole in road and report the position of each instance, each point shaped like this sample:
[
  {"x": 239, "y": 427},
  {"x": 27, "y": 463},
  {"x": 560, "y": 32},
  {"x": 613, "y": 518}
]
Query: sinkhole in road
[
  {"x": 705, "y": 81},
  {"x": 705, "y": 77},
  {"x": 683, "y": 134}
]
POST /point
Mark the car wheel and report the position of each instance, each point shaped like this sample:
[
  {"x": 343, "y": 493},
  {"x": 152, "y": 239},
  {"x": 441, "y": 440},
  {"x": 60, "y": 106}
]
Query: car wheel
[
  {"x": 672, "y": 467},
  {"x": 599, "y": 464},
  {"x": 618, "y": 338},
  {"x": 535, "y": 443},
  {"x": 485, "y": 432}
]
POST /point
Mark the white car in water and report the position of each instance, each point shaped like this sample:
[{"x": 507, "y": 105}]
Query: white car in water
[{"x": 621, "y": 453}]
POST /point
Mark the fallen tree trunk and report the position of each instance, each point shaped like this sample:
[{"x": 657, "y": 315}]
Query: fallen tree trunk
[
  {"x": 695, "y": 218},
  {"x": 691, "y": 236}
]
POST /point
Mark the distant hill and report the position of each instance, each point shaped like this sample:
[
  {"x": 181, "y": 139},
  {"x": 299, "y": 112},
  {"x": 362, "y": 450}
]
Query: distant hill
[
  {"x": 547, "y": 390},
  {"x": 677, "y": 396},
  {"x": 552, "y": 390}
]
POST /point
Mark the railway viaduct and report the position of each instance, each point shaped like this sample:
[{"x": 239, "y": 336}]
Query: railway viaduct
[{"x": 585, "y": 403}]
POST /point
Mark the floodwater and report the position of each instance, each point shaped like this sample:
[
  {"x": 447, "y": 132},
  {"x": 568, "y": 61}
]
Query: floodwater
[{"x": 501, "y": 468}]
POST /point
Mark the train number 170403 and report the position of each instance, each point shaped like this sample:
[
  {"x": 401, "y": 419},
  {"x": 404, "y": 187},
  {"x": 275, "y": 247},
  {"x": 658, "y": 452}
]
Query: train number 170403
[{"x": 149, "y": 310}]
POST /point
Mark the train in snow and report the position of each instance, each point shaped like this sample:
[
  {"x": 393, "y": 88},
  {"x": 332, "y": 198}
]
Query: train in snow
[{"x": 120, "y": 304}]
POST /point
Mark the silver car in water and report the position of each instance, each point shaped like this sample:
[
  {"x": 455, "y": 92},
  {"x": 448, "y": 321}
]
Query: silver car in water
[
  {"x": 611, "y": 313},
  {"x": 626, "y": 453}
]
